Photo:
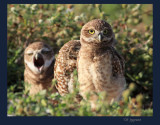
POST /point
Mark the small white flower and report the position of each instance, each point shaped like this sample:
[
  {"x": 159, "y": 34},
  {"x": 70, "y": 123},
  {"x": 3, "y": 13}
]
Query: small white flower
[
  {"x": 77, "y": 18},
  {"x": 40, "y": 21},
  {"x": 50, "y": 20},
  {"x": 136, "y": 7},
  {"x": 33, "y": 7},
  {"x": 12, "y": 9},
  {"x": 48, "y": 111}
]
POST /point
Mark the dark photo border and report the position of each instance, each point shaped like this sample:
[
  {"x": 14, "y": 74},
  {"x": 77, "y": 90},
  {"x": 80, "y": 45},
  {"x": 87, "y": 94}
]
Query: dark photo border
[{"x": 155, "y": 119}]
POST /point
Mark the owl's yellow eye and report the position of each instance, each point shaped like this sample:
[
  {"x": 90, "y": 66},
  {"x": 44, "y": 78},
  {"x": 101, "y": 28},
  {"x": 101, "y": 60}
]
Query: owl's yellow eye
[
  {"x": 105, "y": 31},
  {"x": 91, "y": 31}
]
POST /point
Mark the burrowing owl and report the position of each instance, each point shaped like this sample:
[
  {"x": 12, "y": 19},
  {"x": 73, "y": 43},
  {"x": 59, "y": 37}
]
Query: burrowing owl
[
  {"x": 65, "y": 65},
  {"x": 100, "y": 67},
  {"x": 39, "y": 63}
]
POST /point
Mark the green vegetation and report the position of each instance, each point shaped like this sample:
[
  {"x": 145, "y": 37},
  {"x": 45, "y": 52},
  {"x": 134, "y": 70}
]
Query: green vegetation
[{"x": 56, "y": 25}]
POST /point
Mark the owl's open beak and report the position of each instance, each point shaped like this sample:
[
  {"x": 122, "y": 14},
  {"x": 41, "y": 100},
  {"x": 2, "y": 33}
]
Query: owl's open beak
[
  {"x": 38, "y": 61},
  {"x": 100, "y": 37}
]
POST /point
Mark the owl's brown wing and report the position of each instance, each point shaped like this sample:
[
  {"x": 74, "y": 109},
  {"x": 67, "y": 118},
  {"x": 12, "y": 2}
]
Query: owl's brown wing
[
  {"x": 65, "y": 65},
  {"x": 59, "y": 75},
  {"x": 118, "y": 63}
]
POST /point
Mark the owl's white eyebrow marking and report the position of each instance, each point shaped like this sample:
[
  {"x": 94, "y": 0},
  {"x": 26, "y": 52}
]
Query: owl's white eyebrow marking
[{"x": 29, "y": 51}]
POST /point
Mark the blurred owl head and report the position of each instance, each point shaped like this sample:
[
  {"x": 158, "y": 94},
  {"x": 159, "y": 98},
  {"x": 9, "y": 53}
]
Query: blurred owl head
[
  {"x": 97, "y": 32},
  {"x": 38, "y": 56}
]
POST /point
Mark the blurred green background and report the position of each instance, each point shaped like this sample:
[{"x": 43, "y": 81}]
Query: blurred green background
[{"x": 56, "y": 24}]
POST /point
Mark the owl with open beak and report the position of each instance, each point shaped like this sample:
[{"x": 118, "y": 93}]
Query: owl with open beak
[{"x": 39, "y": 63}]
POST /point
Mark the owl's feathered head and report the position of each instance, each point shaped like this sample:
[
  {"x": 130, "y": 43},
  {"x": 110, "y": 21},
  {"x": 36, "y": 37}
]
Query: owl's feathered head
[
  {"x": 38, "y": 56},
  {"x": 97, "y": 32}
]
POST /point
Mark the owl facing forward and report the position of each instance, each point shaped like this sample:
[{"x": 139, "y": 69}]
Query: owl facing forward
[
  {"x": 39, "y": 63},
  {"x": 100, "y": 67}
]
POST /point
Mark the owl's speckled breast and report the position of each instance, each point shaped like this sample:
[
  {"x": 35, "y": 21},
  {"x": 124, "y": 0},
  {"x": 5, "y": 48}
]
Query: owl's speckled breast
[
  {"x": 101, "y": 71},
  {"x": 98, "y": 72}
]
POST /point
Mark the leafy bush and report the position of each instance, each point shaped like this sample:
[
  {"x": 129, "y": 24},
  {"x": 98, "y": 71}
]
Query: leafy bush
[{"x": 56, "y": 25}]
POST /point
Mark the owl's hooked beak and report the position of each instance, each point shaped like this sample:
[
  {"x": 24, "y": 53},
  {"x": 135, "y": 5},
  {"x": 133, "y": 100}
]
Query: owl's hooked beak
[
  {"x": 100, "y": 37},
  {"x": 38, "y": 61},
  {"x": 37, "y": 56}
]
